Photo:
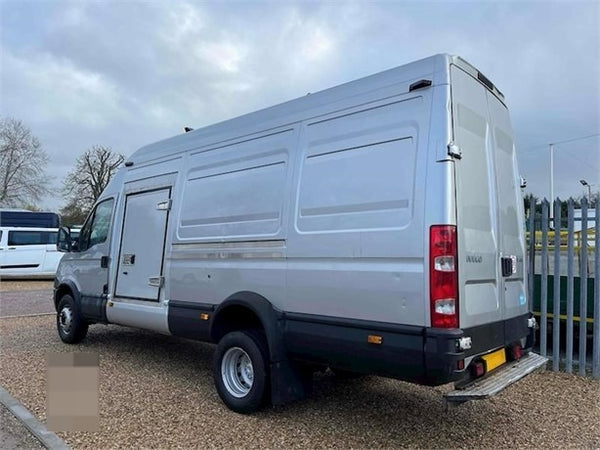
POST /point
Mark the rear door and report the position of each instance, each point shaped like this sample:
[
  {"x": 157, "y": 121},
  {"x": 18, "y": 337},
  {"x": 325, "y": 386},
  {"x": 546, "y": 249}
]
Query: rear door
[
  {"x": 489, "y": 209},
  {"x": 139, "y": 274},
  {"x": 511, "y": 216}
]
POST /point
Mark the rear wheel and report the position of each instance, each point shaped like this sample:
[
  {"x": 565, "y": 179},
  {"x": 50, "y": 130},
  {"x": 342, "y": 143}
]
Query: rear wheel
[
  {"x": 71, "y": 326},
  {"x": 240, "y": 370}
]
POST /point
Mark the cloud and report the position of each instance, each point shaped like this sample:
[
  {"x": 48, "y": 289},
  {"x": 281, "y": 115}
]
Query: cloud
[{"x": 52, "y": 90}]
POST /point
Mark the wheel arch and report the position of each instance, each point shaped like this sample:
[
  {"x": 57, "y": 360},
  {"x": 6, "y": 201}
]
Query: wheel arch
[
  {"x": 244, "y": 310},
  {"x": 66, "y": 287}
]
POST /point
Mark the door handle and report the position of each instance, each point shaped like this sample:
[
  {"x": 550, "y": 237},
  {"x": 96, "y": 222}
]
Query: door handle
[
  {"x": 509, "y": 265},
  {"x": 104, "y": 262}
]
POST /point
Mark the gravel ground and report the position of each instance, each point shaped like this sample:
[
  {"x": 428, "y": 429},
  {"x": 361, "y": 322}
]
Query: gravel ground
[
  {"x": 157, "y": 392},
  {"x": 13, "y": 434}
]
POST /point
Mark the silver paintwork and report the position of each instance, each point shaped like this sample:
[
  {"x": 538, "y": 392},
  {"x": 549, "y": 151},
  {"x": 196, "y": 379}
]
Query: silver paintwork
[
  {"x": 143, "y": 239},
  {"x": 139, "y": 314},
  {"x": 346, "y": 183},
  {"x": 489, "y": 206}
]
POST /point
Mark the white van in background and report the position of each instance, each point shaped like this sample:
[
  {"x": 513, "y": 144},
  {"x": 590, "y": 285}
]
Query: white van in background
[{"x": 28, "y": 252}]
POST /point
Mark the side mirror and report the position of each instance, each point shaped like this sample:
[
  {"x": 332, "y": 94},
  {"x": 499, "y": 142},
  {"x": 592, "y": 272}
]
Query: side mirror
[{"x": 63, "y": 243}]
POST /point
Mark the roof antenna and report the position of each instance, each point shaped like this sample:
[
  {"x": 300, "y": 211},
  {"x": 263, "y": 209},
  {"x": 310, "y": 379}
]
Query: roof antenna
[{"x": 187, "y": 129}]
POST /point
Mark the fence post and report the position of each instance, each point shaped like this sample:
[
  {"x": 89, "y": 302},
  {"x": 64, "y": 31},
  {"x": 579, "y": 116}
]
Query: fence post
[
  {"x": 544, "y": 283},
  {"x": 570, "y": 285},
  {"x": 596, "y": 340},
  {"x": 583, "y": 269},
  {"x": 530, "y": 276},
  {"x": 556, "y": 296}
]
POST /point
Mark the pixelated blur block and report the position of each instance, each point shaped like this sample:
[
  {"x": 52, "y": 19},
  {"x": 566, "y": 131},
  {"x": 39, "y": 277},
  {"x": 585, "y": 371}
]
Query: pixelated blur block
[{"x": 72, "y": 395}]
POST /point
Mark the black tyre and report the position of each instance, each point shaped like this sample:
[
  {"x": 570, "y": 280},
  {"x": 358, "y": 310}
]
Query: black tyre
[
  {"x": 71, "y": 326},
  {"x": 240, "y": 370}
]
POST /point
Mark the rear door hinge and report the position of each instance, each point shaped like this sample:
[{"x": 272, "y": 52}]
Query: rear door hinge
[{"x": 454, "y": 150}]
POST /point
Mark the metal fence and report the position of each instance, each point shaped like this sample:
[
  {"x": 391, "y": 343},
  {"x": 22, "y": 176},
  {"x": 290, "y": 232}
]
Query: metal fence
[{"x": 564, "y": 262}]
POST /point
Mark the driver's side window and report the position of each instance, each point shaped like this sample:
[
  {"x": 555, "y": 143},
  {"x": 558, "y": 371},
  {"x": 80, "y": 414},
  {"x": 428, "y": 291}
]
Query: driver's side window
[{"x": 96, "y": 228}]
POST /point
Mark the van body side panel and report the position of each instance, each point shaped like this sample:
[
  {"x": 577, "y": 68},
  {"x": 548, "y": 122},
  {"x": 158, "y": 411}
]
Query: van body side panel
[
  {"x": 355, "y": 248},
  {"x": 230, "y": 234}
]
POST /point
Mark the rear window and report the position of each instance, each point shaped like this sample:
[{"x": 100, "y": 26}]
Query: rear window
[{"x": 32, "y": 237}]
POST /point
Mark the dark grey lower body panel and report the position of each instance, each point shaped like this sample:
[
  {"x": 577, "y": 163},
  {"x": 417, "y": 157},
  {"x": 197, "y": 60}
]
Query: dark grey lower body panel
[
  {"x": 399, "y": 355},
  {"x": 185, "y": 320},
  {"x": 411, "y": 353},
  {"x": 93, "y": 308}
]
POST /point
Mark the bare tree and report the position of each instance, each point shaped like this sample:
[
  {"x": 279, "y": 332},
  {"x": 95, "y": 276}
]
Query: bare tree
[
  {"x": 72, "y": 214},
  {"x": 84, "y": 184},
  {"x": 23, "y": 179}
]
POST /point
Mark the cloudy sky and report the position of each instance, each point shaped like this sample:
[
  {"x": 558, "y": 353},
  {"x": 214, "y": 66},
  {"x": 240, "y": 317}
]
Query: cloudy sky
[{"x": 127, "y": 73}]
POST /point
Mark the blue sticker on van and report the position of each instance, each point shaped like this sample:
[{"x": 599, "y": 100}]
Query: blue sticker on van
[{"x": 522, "y": 300}]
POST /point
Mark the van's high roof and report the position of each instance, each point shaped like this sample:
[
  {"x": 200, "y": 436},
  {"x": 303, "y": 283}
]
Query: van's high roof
[{"x": 434, "y": 68}]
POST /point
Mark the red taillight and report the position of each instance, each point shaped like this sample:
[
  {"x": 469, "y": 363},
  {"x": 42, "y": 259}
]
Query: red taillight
[
  {"x": 516, "y": 352},
  {"x": 478, "y": 369},
  {"x": 443, "y": 276}
]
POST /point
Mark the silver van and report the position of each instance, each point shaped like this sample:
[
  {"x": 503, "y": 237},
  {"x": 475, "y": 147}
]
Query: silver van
[{"x": 375, "y": 227}]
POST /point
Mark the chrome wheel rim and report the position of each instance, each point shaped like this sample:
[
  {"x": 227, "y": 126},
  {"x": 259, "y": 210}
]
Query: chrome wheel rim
[
  {"x": 65, "y": 319},
  {"x": 237, "y": 372}
]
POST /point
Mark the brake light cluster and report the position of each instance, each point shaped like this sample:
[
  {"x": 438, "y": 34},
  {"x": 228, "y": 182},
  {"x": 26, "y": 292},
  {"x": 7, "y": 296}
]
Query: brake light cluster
[{"x": 443, "y": 276}]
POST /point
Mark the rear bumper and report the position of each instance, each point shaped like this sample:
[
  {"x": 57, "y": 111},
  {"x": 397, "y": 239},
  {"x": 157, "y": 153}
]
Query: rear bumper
[{"x": 442, "y": 355}]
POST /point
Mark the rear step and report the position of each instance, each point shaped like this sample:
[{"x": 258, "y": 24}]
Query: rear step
[{"x": 497, "y": 380}]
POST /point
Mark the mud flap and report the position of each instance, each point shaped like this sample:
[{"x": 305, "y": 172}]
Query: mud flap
[
  {"x": 496, "y": 381},
  {"x": 289, "y": 382}
]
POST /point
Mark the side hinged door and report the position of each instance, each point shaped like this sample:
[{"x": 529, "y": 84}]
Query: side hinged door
[
  {"x": 141, "y": 255},
  {"x": 481, "y": 292}
]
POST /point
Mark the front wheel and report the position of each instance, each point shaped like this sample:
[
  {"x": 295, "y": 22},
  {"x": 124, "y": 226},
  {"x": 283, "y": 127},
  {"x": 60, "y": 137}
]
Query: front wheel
[
  {"x": 240, "y": 370},
  {"x": 71, "y": 326}
]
